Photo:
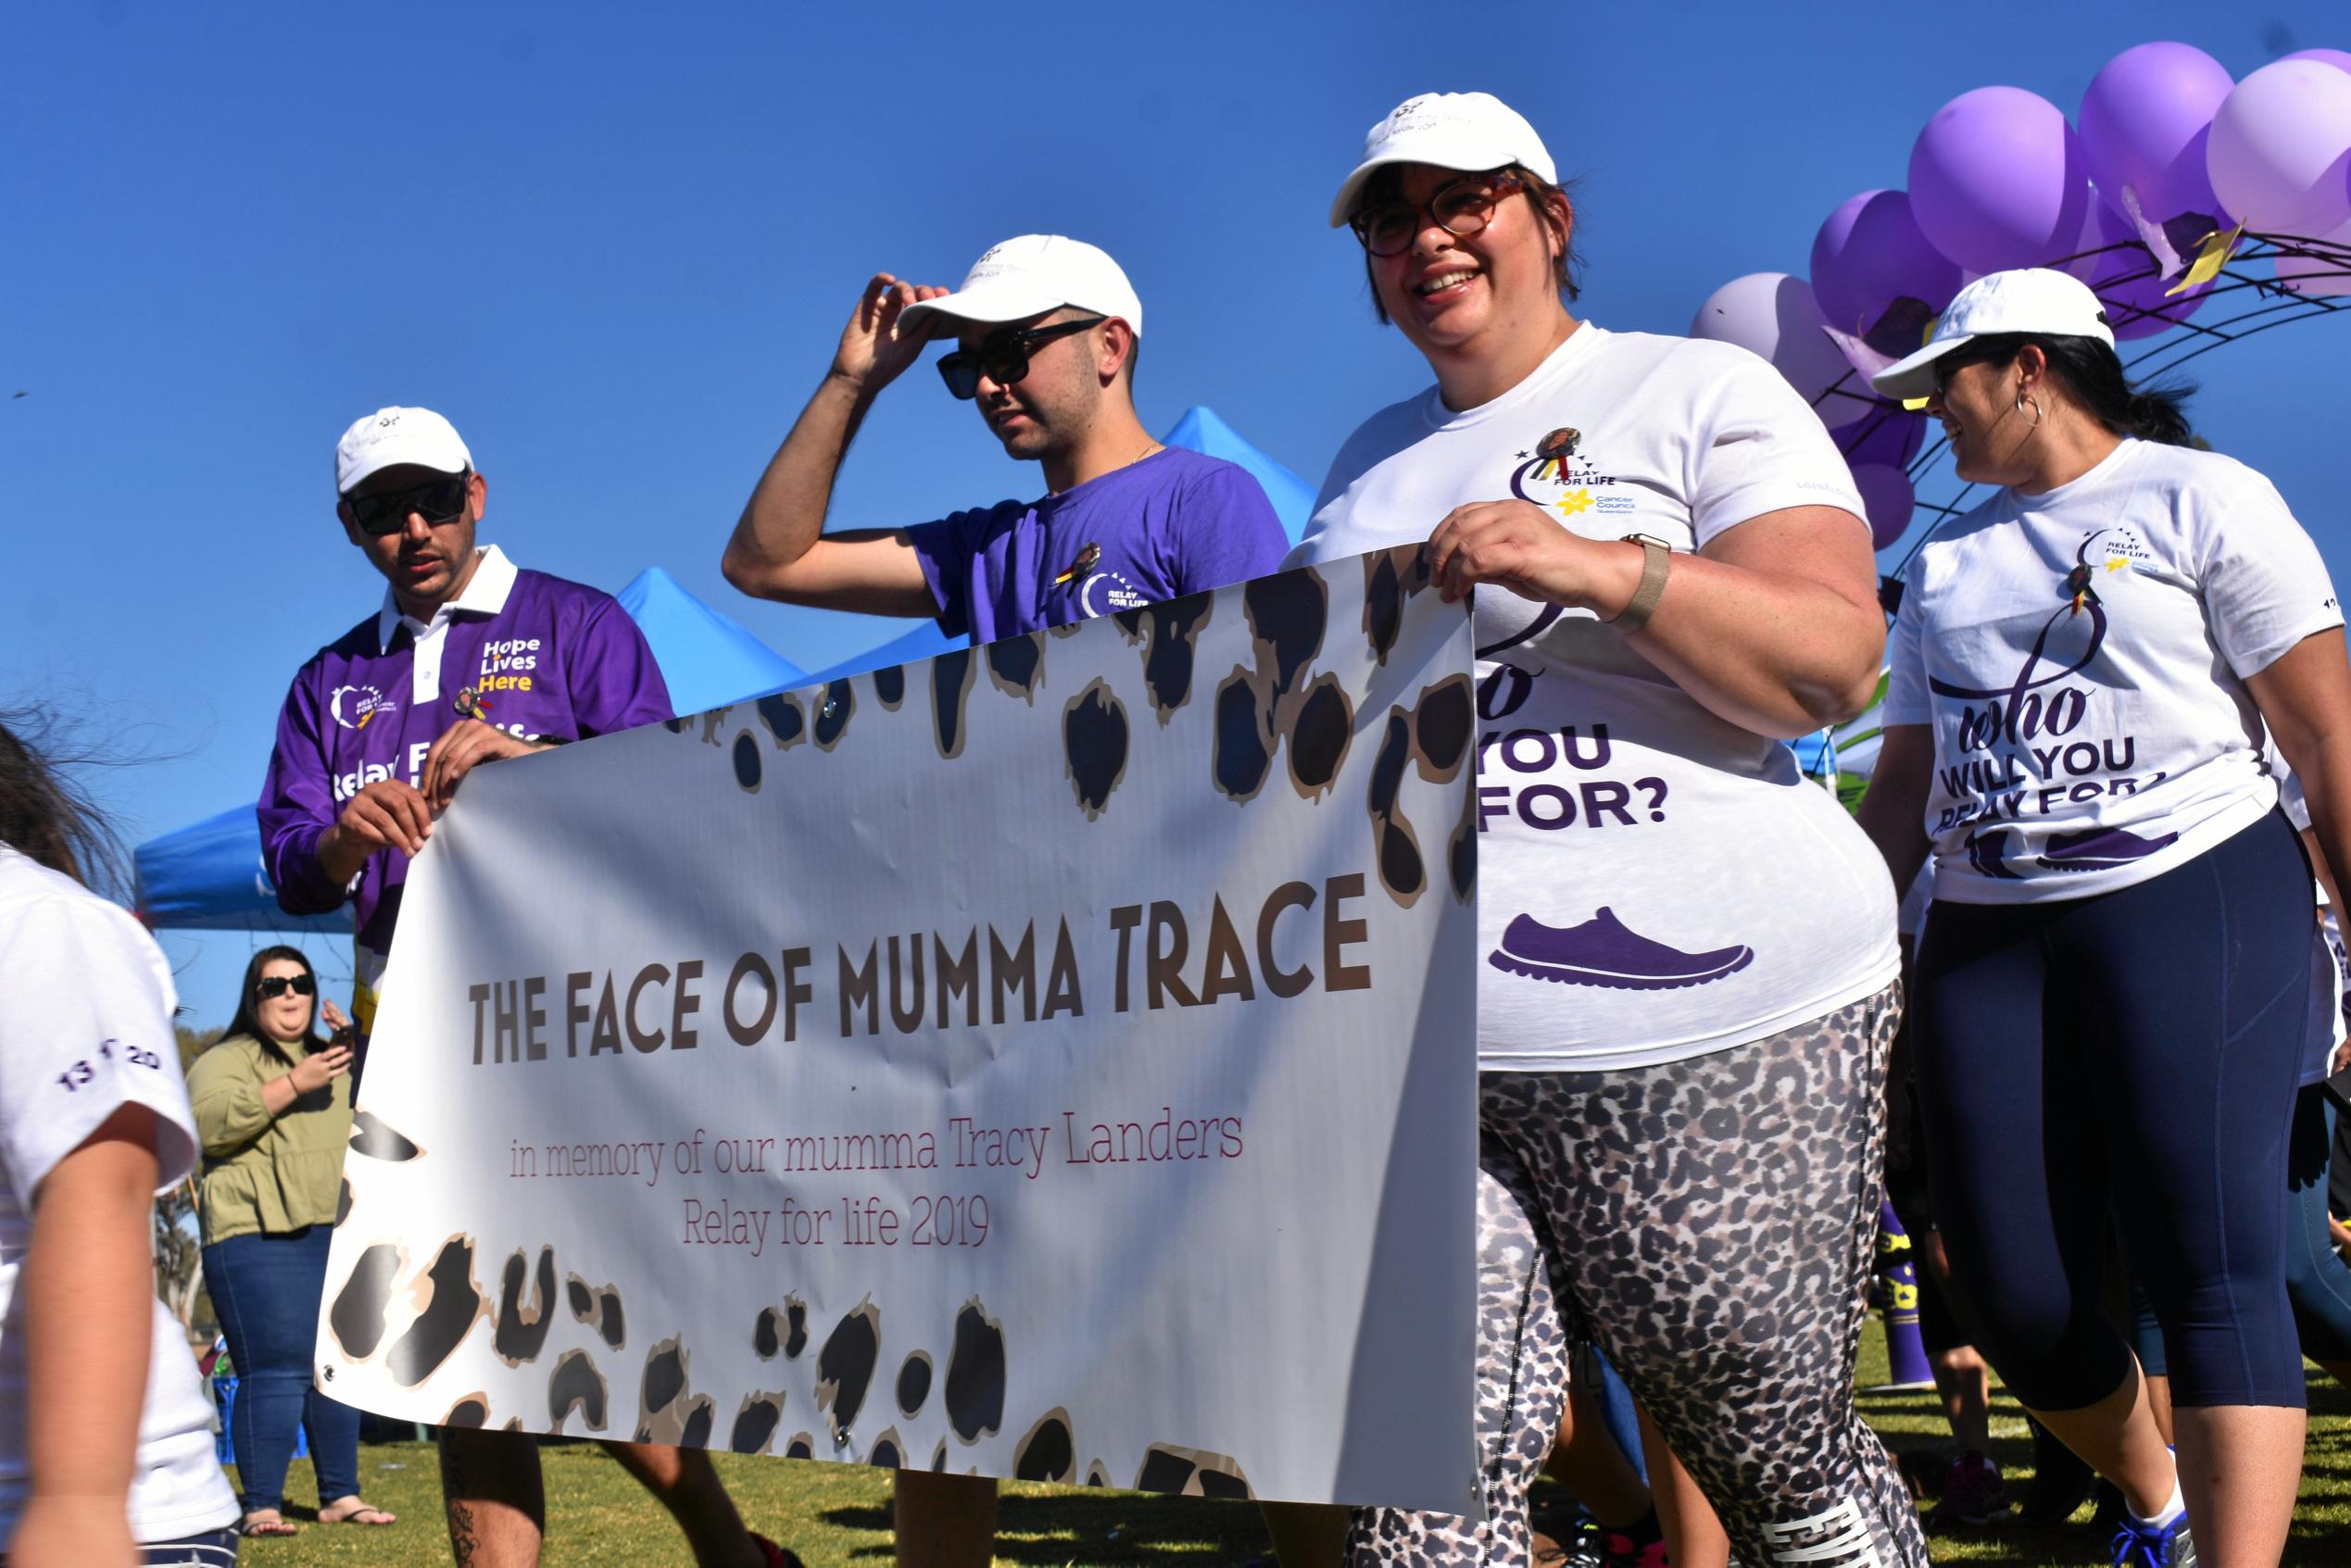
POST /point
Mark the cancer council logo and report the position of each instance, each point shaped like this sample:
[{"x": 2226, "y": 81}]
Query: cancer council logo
[{"x": 354, "y": 706}]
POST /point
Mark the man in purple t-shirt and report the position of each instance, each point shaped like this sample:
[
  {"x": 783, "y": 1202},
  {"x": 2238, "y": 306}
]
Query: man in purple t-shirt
[
  {"x": 470, "y": 660},
  {"x": 1048, "y": 330}
]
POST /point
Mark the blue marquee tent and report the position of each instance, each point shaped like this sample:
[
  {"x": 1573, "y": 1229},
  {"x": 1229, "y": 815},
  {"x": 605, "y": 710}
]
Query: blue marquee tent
[
  {"x": 1294, "y": 498},
  {"x": 706, "y": 658}
]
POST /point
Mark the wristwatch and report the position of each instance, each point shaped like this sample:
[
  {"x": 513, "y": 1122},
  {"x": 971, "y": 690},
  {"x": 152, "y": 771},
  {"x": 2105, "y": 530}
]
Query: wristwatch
[{"x": 1655, "y": 560}]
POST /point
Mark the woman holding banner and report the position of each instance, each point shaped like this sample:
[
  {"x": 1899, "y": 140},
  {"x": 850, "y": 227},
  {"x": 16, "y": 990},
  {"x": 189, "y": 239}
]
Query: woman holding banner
[{"x": 1690, "y": 979}]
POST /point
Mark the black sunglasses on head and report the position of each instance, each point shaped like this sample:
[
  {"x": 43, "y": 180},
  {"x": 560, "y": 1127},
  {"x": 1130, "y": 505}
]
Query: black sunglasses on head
[
  {"x": 437, "y": 501},
  {"x": 277, "y": 986},
  {"x": 1002, "y": 356}
]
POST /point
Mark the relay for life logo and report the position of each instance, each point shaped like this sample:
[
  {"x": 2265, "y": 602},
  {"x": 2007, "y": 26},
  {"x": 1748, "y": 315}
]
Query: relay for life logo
[
  {"x": 1559, "y": 476},
  {"x": 353, "y": 707}
]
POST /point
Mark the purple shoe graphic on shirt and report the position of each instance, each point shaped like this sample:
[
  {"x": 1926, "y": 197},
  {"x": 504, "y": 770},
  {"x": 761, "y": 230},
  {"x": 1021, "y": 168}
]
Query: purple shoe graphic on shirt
[
  {"x": 1988, "y": 853},
  {"x": 2099, "y": 849},
  {"x": 1601, "y": 952}
]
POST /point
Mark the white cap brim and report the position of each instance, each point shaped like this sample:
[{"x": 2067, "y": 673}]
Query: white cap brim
[
  {"x": 1915, "y": 377},
  {"x": 1342, "y": 207},
  {"x": 991, "y": 304}
]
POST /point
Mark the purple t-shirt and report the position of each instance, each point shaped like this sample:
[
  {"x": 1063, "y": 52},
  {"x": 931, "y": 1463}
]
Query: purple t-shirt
[
  {"x": 1174, "y": 524},
  {"x": 549, "y": 660}
]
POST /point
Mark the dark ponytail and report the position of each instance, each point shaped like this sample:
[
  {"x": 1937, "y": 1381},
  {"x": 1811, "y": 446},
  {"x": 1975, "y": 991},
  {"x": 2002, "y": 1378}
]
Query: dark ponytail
[{"x": 2092, "y": 372}]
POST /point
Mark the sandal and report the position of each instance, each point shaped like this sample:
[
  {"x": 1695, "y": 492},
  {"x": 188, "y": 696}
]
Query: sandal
[
  {"x": 253, "y": 1528},
  {"x": 358, "y": 1513}
]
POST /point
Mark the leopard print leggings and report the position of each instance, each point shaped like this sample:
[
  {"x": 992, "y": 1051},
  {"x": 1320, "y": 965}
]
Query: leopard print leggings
[{"x": 1709, "y": 1226}]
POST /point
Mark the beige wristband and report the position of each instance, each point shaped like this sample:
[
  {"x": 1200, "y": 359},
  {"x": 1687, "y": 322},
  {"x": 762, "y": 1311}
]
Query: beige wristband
[{"x": 1656, "y": 561}]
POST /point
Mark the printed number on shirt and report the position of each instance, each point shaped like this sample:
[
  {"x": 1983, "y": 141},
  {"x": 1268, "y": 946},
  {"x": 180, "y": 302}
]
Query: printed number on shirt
[{"x": 82, "y": 1074}]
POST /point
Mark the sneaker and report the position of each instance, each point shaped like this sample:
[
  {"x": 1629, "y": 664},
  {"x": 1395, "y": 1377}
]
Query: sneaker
[
  {"x": 2138, "y": 1544},
  {"x": 1620, "y": 1550},
  {"x": 1593, "y": 1545},
  {"x": 1602, "y": 952},
  {"x": 1973, "y": 1493}
]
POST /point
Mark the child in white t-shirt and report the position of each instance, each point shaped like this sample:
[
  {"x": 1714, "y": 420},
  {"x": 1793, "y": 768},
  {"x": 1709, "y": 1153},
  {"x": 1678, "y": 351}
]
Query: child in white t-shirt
[{"x": 105, "y": 1433}]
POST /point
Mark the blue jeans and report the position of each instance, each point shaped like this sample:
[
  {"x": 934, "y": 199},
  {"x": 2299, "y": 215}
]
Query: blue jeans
[{"x": 266, "y": 1290}]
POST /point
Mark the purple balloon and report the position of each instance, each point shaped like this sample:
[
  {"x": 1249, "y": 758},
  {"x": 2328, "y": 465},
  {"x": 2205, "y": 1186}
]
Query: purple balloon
[
  {"x": 1997, "y": 180},
  {"x": 2334, "y": 58},
  {"x": 1887, "y": 499},
  {"x": 1871, "y": 260},
  {"x": 2280, "y": 154},
  {"x": 2143, "y": 123},
  {"x": 1886, "y": 435},
  {"x": 1774, "y": 315},
  {"x": 2124, "y": 277}
]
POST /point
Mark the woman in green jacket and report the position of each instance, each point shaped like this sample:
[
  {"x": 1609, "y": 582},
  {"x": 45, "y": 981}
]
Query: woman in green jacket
[{"x": 272, "y": 1101}]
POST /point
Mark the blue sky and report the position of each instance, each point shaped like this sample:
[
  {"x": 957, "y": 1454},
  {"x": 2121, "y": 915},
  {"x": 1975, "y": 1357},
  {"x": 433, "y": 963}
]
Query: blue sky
[{"x": 616, "y": 245}]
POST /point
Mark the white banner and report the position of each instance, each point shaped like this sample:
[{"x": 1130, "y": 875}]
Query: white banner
[{"x": 1052, "y": 1060}]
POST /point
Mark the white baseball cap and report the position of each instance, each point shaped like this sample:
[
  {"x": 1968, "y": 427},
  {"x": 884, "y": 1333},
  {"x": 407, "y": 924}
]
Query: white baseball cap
[
  {"x": 390, "y": 437},
  {"x": 2029, "y": 299},
  {"x": 1031, "y": 274},
  {"x": 1470, "y": 131}
]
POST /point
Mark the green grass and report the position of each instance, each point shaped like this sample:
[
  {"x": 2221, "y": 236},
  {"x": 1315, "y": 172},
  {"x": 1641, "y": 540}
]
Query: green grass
[
  {"x": 838, "y": 1515},
  {"x": 833, "y": 1515}
]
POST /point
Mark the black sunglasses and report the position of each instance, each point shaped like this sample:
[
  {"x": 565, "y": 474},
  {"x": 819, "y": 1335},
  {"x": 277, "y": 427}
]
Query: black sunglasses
[
  {"x": 1460, "y": 207},
  {"x": 437, "y": 501},
  {"x": 1002, "y": 356},
  {"x": 278, "y": 985}
]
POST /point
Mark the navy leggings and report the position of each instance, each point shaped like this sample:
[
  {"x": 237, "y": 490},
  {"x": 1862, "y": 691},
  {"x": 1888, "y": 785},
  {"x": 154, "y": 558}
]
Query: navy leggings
[
  {"x": 2134, "y": 1054},
  {"x": 2317, "y": 1282}
]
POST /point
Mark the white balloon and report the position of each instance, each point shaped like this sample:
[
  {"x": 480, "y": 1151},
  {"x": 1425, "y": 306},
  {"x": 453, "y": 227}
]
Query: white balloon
[
  {"x": 1775, "y": 316},
  {"x": 2279, "y": 152}
]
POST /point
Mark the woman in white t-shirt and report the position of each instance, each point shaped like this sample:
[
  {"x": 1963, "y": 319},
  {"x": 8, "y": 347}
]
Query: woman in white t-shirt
[
  {"x": 1689, "y": 976},
  {"x": 2114, "y": 983},
  {"x": 105, "y": 1435}
]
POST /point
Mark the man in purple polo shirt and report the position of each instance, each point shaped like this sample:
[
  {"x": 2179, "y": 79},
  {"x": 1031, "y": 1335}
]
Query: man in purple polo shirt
[
  {"x": 470, "y": 660},
  {"x": 1048, "y": 328}
]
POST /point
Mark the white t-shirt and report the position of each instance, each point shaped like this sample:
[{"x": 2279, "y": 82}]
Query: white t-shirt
[
  {"x": 85, "y": 1027},
  {"x": 1655, "y": 882},
  {"x": 2083, "y": 653}
]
